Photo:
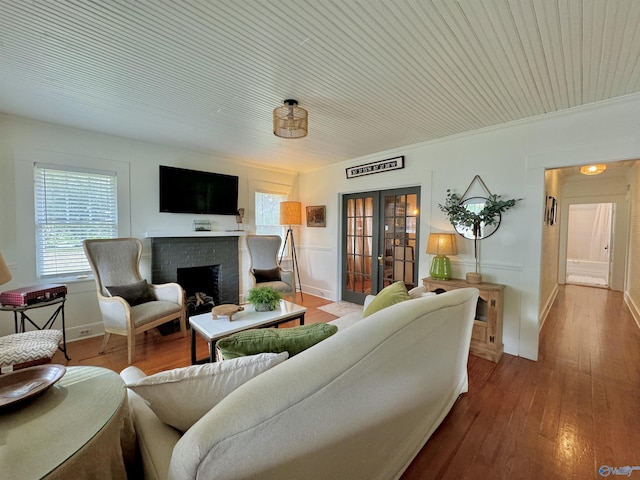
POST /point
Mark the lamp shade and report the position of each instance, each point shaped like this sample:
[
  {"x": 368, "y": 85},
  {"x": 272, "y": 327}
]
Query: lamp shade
[
  {"x": 5, "y": 273},
  {"x": 442, "y": 244},
  {"x": 593, "y": 169},
  {"x": 290, "y": 120},
  {"x": 290, "y": 213}
]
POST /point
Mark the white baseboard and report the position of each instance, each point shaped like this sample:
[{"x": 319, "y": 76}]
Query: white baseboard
[
  {"x": 547, "y": 307},
  {"x": 635, "y": 311},
  {"x": 317, "y": 292},
  {"x": 74, "y": 334}
]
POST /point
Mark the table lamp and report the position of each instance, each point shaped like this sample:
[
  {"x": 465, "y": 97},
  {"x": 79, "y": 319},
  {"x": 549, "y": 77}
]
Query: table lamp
[
  {"x": 441, "y": 245},
  {"x": 5, "y": 273}
]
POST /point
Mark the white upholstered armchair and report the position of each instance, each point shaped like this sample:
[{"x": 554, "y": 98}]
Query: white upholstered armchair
[
  {"x": 264, "y": 269},
  {"x": 128, "y": 304}
]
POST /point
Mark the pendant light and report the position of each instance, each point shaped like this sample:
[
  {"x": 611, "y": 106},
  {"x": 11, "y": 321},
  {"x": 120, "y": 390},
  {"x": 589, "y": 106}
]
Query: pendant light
[{"x": 290, "y": 120}]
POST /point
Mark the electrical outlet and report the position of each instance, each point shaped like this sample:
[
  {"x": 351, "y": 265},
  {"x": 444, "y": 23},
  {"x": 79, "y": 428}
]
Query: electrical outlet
[{"x": 85, "y": 331}]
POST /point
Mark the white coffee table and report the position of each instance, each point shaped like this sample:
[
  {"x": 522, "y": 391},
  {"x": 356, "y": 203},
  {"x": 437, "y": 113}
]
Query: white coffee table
[{"x": 213, "y": 330}]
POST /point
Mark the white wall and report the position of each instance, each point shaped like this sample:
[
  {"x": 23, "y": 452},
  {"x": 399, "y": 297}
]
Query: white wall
[
  {"x": 24, "y": 141},
  {"x": 632, "y": 284},
  {"x": 511, "y": 160}
]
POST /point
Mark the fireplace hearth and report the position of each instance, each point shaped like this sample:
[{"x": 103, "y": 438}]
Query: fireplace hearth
[{"x": 201, "y": 287}]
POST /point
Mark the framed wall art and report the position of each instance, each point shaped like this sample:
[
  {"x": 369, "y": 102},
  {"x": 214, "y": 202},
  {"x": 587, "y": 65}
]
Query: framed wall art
[
  {"x": 551, "y": 214},
  {"x": 316, "y": 216}
]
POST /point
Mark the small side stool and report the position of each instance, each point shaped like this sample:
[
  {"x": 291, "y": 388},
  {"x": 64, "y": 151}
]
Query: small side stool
[{"x": 26, "y": 349}]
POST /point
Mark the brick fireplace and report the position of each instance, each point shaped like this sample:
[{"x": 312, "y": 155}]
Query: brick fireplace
[{"x": 170, "y": 253}]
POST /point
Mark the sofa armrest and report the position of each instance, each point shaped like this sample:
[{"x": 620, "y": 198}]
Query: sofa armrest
[
  {"x": 156, "y": 440},
  {"x": 132, "y": 374},
  {"x": 368, "y": 299}
]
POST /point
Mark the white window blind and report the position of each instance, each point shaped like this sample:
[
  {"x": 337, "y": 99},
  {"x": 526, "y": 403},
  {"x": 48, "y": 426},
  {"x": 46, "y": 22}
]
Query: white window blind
[
  {"x": 71, "y": 205},
  {"x": 268, "y": 214}
]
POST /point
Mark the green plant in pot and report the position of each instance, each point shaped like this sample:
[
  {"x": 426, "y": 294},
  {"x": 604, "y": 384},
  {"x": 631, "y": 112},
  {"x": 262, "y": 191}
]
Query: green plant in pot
[{"x": 264, "y": 299}]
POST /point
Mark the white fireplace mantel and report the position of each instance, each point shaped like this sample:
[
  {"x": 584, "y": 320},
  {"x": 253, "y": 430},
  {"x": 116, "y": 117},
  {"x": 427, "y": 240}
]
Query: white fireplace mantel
[{"x": 191, "y": 233}]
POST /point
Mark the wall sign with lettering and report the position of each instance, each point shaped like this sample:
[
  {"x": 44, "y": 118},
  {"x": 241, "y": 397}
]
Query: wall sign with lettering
[{"x": 376, "y": 167}]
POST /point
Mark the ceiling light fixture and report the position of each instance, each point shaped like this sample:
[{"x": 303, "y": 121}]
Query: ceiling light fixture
[
  {"x": 290, "y": 120},
  {"x": 593, "y": 169}
]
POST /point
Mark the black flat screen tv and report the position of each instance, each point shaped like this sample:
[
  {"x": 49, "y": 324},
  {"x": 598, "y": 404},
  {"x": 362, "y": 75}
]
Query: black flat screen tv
[{"x": 191, "y": 191}]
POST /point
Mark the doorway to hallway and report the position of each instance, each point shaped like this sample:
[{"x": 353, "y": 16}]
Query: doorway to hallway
[{"x": 589, "y": 241}]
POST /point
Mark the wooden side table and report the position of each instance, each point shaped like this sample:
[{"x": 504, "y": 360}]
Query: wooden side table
[{"x": 486, "y": 337}]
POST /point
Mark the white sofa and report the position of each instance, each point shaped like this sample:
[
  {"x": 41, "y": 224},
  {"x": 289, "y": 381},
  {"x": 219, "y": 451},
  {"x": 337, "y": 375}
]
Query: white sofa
[{"x": 358, "y": 405}]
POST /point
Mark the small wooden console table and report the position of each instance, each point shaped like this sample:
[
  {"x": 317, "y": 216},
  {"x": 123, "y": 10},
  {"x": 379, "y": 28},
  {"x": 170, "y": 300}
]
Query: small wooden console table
[{"x": 486, "y": 337}]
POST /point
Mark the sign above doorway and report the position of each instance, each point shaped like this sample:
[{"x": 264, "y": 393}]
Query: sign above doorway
[{"x": 376, "y": 167}]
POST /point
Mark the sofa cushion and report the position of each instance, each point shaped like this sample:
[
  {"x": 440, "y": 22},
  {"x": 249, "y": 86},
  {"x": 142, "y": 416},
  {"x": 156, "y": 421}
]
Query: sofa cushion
[
  {"x": 271, "y": 275},
  {"x": 134, "y": 293},
  {"x": 180, "y": 397},
  {"x": 293, "y": 340},
  {"x": 389, "y": 295}
]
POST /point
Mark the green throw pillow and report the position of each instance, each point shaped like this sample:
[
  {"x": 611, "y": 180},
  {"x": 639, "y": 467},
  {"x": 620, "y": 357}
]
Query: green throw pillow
[
  {"x": 394, "y": 293},
  {"x": 293, "y": 340}
]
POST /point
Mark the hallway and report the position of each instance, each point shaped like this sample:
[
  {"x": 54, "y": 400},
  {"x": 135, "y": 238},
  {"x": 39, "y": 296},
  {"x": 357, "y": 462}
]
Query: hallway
[{"x": 565, "y": 416}]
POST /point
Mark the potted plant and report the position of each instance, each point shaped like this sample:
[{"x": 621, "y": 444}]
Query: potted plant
[
  {"x": 264, "y": 299},
  {"x": 461, "y": 215}
]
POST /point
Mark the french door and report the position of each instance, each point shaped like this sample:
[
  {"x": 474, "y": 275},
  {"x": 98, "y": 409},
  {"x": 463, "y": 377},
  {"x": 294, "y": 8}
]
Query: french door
[{"x": 380, "y": 239}]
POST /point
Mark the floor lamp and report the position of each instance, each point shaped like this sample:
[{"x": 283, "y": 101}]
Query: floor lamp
[{"x": 291, "y": 214}]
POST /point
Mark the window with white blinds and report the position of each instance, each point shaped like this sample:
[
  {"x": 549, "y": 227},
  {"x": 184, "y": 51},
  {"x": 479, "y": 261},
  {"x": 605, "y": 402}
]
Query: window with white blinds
[
  {"x": 268, "y": 213},
  {"x": 71, "y": 205}
]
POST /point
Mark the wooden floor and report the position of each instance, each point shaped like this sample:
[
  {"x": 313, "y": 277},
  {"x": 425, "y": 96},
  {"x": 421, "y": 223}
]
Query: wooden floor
[{"x": 564, "y": 416}]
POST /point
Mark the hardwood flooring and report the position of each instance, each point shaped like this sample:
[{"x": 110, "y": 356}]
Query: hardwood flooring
[{"x": 574, "y": 410}]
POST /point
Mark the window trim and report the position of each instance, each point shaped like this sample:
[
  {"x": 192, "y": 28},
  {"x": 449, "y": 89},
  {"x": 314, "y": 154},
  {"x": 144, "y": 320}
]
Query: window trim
[
  {"x": 41, "y": 224},
  {"x": 24, "y": 227}
]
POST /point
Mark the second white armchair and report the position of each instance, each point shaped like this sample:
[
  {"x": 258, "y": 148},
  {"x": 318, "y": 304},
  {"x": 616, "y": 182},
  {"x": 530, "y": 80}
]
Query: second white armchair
[{"x": 264, "y": 269}]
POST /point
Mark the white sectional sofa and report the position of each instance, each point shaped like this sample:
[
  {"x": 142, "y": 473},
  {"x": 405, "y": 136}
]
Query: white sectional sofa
[{"x": 358, "y": 405}]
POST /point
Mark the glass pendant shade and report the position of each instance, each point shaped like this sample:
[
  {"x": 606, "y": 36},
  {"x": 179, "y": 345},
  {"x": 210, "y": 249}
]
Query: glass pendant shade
[{"x": 290, "y": 120}]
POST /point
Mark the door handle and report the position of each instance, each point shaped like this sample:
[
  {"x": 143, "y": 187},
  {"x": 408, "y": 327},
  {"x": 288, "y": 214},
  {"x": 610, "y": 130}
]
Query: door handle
[{"x": 380, "y": 260}]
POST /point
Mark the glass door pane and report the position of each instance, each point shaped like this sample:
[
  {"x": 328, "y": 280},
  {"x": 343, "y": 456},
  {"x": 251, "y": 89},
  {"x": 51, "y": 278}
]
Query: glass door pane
[
  {"x": 359, "y": 269},
  {"x": 400, "y": 237}
]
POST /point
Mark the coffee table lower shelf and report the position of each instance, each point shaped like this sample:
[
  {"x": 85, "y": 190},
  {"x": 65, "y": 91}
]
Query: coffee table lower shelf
[{"x": 213, "y": 330}]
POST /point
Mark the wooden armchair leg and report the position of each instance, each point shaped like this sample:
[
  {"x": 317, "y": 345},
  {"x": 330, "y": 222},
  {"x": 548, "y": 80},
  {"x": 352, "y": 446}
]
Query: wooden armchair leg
[
  {"x": 183, "y": 325},
  {"x": 131, "y": 347},
  {"x": 105, "y": 340}
]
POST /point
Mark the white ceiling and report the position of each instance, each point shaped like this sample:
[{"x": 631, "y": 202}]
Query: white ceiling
[{"x": 374, "y": 75}]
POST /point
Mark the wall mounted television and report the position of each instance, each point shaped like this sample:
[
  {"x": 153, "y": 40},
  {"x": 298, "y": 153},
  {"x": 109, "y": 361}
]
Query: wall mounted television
[{"x": 192, "y": 191}]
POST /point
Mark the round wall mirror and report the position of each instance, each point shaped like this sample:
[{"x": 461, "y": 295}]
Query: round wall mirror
[{"x": 475, "y": 205}]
